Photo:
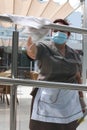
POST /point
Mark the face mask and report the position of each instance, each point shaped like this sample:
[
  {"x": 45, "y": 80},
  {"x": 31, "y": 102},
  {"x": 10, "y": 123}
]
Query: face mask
[{"x": 59, "y": 37}]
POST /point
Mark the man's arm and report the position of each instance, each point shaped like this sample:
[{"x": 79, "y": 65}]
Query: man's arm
[{"x": 31, "y": 49}]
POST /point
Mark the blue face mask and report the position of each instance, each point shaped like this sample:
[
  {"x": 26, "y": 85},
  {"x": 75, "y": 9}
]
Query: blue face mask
[{"x": 59, "y": 38}]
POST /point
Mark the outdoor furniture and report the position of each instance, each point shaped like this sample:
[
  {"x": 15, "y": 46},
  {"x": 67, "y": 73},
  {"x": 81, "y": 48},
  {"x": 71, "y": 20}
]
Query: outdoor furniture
[{"x": 4, "y": 88}]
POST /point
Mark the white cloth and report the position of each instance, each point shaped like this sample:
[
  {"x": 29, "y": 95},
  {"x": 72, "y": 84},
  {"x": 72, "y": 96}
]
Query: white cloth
[
  {"x": 56, "y": 105},
  {"x": 33, "y": 26}
]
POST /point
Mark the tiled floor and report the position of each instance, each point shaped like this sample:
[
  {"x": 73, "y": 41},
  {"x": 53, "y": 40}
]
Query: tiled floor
[{"x": 23, "y": 110}]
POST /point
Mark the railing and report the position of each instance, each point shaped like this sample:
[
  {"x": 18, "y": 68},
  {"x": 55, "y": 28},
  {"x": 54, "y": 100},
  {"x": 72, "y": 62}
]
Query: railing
[
  {"x": 14, "y": 81},
  {"x": 46, "y": 84}
]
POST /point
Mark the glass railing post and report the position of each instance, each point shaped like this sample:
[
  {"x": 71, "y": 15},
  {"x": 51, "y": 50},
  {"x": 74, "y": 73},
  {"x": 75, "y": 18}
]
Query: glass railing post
[{"x": 13, "y": 103}]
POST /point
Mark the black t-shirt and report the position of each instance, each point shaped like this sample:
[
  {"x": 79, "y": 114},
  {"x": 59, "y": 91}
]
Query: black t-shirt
[{"x": 55, "y": 67}]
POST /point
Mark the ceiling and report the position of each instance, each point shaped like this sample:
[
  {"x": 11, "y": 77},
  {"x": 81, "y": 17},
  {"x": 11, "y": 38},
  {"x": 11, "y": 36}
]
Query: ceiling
[{"x": 47, "y": 9}]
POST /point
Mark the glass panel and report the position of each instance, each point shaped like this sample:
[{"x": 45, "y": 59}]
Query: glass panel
[{"x": 23, "y": 108}]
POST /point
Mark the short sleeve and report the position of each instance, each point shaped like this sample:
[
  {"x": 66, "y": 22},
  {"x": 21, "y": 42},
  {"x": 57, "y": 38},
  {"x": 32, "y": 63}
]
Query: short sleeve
[{"x": 40, "y": 51}]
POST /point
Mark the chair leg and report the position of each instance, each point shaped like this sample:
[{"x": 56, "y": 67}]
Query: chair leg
[
  {"x": 7, "y": 99},
  {"x": 3, "y": 98},
  {"x": 17, "y": 101}
]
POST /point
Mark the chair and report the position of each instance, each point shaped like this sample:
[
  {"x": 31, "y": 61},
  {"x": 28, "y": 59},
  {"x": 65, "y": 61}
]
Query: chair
[
  {"x": 2, "y": 88},
  {"x": 31, "y": 75},
  {"x": 4, "y": 92},
  {"x": 5, "y": 89}
]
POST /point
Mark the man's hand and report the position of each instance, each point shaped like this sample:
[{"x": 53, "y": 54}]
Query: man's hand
[{"x": 31, "y": 48}]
